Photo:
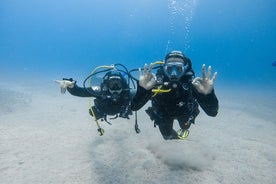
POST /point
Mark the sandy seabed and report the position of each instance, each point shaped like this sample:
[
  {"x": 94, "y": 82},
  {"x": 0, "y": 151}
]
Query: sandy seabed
[{"x": 46, "y": 137}]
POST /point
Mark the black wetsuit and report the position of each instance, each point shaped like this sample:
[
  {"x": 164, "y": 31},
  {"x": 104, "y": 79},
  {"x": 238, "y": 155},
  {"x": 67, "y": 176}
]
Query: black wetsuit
[
  {"x": 181, "y": 103},
  {"x": 104, "y": 103}
]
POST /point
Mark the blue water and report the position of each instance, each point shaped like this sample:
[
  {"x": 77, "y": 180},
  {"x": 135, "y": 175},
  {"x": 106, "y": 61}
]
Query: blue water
[{"x": 61, "y": 38}]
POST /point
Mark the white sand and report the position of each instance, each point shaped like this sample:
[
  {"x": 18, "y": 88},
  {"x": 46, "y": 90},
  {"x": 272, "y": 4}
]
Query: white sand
[{"x": 46, "y": 137}]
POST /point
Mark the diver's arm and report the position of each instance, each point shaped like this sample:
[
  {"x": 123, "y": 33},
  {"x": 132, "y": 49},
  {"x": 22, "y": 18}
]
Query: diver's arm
[
  {"x": 147, "y": 81},
  {"x": 81, "y": 92},
  {"x": 140, "y": 98},
  {"x": 205, "y": 93},
  {"x": 71, "y": 86},
  {"x": 209, "y": 103}
]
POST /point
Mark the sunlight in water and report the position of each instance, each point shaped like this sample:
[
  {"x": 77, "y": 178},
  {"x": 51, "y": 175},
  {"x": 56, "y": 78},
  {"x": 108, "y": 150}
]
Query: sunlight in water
[{"x": 181, "y": 14}]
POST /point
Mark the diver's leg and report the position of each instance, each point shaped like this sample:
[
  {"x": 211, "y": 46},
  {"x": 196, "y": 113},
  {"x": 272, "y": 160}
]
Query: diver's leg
[{"x": 166, "y": 128}]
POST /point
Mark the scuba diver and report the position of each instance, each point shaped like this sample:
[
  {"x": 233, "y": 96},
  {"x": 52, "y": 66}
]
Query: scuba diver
[
  {"x": 175, "y": 94},
  {"x": 112, "y": 97}
]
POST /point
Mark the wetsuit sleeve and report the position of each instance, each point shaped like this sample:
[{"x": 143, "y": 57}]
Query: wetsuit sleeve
[
  {"x": 209, "y": 103},
  {"x": 82, "y": 92},
  {"x": 140, "y": 98}
]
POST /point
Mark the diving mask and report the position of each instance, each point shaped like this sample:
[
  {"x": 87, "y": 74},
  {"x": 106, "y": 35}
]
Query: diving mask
[
  {"x": 174, "y": 70},
  {"x": 115, "y": 84}
]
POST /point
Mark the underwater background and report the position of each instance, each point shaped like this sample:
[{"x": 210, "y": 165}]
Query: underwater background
[
  {"x": 47, "y": 137},
  {"x": 57, "y": 38}
]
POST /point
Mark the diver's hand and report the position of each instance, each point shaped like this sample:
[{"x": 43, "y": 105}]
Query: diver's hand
[
  {"x": 64, "y": 84},
  {"x": 147, "y": 80},
  {"x": 205, "y": 85}
]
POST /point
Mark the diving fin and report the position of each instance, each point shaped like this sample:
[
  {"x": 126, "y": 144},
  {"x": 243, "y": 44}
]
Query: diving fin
[{"x": 182, "y": 134}]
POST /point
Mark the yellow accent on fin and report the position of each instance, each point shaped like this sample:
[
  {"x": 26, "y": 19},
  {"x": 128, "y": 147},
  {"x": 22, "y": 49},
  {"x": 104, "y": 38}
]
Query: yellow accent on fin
[{"x": 182, "y": 134}]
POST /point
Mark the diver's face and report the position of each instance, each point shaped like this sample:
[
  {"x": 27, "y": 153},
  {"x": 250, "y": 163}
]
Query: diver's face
[
  {"x": 174, "y": 68},
  {"x": 115, "y": 86}
]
